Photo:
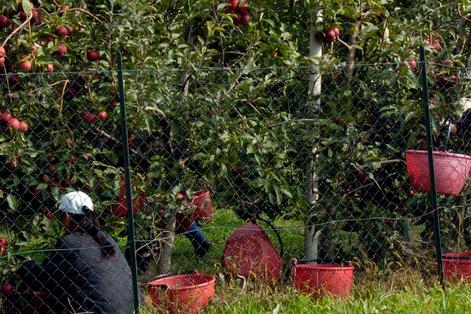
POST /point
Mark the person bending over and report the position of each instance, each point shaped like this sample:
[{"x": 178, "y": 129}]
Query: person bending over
[
  {"x": 463, "y": 125},
  {"x": 86, "y": 271}
]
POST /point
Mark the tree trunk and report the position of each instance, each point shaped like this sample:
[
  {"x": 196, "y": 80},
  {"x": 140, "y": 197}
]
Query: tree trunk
[
  {"x": 352, "y": 51},
  {"x": 165, "y": 261},
  {"x": 311, "y": 236}
]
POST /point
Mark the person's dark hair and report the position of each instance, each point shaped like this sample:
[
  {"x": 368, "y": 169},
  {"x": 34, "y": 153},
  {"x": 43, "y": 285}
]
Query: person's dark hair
[
  {"x": 89, "y": 223},
  {"x": 463, "y": 125}
]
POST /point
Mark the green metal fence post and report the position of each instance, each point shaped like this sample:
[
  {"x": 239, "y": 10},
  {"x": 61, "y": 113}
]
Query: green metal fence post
[
  {"x": 127, "y": 176},
  {"x": 433, "y": 191}
]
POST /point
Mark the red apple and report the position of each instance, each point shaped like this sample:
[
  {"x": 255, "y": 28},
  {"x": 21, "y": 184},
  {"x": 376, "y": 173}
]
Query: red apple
[
  {"x": 2, "y": 60},
  {"x": 5, "y": 116},
  {"x": 14, "y": 123},
  {"x": 36, "y": 19},
  {"x": 337, "y": 31},
  {"x": 23, "y": 126},
  {"x": 89, "y": 117},
  {"x": 52, "y": 168},
  {"x": 50, "y": 68},
  {"x": 243, "y": 10},
  {"x": 23, "y": 16},
  {"x": 25, "y": 66},
  {"x": 454, "y": 78},
  {"x": 441, "y": 79},
  {"x": 93, "y": 55},
  {"x": 61, "y": 50},
  {"x": 12, "y": 164},
  {"x": 330, "y": 35},
  {"x": 3, "y": 246},
  {"x": 85, "y": 157},
  {"x": 412, "y": 63},
  {"x": 112, "y": 103},
  {"x": 62, "y": 31},
  {"x": 243, "y": 15},
  {"x": 4, "y": 21},
  {"x": 234, "y": 4},
  {"x": 7, "y": 289},
  {"x": 434, "y": 44},
  {"x": 3, "y": 52},
  {"x": 245, "y": 19},
  {"x": 102, "y": 116}
]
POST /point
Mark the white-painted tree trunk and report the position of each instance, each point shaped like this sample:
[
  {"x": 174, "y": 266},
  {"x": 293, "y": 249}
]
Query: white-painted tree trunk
[{"x": 311, "y": 235}]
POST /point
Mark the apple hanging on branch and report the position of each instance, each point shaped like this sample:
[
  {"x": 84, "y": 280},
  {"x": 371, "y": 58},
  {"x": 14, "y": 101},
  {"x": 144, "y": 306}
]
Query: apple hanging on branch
[
  {"x": 102, "y": 116},
  {"x": 93, "y": 55},
  {"x": 3, "y": 246},
  {"x": 4, "y": 21},
  {"x": 89, "y": 118},
  {"x": 61, "y": 50},
  {"x": 25, "y": 66},
  {"x": 3, "y": 54},
  {"x": 412, "y": 63},
  {"x": 241, "y": 11},
  {"x": 7, "y": 289},
  {"x": 329, "y": 35},
  {"x": 234, "y": 4},
  {"x": 50, "y": 68},
  {"x": 62, "y": 31}
]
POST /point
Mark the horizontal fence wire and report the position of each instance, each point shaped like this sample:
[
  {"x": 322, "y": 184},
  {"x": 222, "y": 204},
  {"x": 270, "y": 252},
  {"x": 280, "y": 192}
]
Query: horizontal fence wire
[{"x": 235, "y": 172}]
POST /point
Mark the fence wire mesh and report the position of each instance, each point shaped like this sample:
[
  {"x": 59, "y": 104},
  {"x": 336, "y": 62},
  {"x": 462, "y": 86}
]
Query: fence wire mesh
[{"x": 234, "y": 172}]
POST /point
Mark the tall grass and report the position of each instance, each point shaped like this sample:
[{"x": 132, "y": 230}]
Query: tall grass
[
  {"x": 404, "y": 291},
  {"x": 231, "y": 297}
]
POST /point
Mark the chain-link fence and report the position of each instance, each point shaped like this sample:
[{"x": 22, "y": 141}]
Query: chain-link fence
[{"x": 235, "y": 172}]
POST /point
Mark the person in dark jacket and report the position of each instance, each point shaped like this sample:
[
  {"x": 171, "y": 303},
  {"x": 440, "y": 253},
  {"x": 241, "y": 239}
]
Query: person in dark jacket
[
  {"x": 463, "y": 125},
  {"x": 86, "y": 271}
]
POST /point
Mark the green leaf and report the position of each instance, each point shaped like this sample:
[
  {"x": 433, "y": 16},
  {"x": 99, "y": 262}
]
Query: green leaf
[
  {"x": 12, "y": 201},
  {"x": 286, "y": 192},
  {"x": 26, "y": 7}
]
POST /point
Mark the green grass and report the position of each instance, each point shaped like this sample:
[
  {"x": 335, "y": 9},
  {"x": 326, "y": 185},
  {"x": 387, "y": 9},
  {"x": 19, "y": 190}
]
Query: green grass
[
  {"x": 223, "y": 224},
  {"x": 400, "y": 292},
  {"x": 232, "y": 298},
  {"x": 416, "y": 300}
]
